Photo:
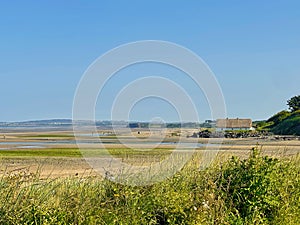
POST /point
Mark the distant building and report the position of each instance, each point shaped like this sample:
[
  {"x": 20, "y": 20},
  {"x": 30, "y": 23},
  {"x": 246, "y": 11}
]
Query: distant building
[
  {"x": 210, "y": 123},
  {"x": 234, "y": 124}
]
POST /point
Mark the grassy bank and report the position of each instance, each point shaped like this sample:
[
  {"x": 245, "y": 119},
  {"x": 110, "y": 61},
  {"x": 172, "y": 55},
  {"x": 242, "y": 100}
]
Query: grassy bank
[{"x": 256, "y": 190}]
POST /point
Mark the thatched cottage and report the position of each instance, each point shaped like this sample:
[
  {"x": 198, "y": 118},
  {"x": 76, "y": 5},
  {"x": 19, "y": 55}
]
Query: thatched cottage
[{"x": 234, "y": 124}]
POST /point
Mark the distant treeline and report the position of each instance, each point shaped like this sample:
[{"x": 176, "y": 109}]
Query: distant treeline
[
  {"x": 169, "y": 125},
  {"x": 104, "y": 123}
]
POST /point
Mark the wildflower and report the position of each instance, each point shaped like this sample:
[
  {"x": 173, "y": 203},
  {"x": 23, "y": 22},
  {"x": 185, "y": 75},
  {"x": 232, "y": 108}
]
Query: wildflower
[{"x": 205, "y": 204}]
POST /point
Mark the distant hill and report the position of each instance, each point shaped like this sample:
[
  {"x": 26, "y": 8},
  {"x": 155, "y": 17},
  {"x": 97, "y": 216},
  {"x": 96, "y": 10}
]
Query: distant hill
[
  {"x": 50, "y": 122},
  {"x": 105, "y": 123},
  {"x": 289, "y": 125},
  {"x": 58, "y": 123},
  {"x": 283, "y": 123}
]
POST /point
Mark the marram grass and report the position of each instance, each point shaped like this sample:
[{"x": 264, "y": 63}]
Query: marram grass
[{"x": 254, "y": 190}]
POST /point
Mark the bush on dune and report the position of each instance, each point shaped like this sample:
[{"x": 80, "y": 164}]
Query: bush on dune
[{"x": 290, "y": 125}]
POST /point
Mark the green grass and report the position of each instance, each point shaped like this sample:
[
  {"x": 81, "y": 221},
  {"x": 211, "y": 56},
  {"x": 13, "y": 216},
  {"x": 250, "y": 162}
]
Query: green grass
[
  {"x": 255, "y": 190},
  {"x": 290, "y": 125},
  {"x": 49, "y": 136},
  {"x": 51, "y": 152},
  {"x": 282, "y": 123},
  {"x": 75, "y": 152},
  {"x": 143, "y": 151}
]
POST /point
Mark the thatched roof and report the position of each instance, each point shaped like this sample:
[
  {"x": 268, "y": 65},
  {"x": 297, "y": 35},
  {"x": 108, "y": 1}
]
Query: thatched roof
[{"x": 234, "y": 123}]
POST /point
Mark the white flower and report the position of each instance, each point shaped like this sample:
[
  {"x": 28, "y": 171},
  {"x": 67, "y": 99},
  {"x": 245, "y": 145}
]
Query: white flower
[{"x": 205, "y": 204}]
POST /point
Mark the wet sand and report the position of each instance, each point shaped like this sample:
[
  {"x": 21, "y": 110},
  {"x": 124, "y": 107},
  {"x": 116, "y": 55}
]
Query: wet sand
[{"x": 50, "y": 166}]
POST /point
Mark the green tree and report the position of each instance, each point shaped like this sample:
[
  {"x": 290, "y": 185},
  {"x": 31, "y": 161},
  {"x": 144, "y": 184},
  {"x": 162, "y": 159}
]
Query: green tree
[{"x": 294, "y": 103}]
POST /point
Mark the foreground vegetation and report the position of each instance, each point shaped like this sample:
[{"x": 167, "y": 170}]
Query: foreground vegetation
[{"x": 255, "y": 190}]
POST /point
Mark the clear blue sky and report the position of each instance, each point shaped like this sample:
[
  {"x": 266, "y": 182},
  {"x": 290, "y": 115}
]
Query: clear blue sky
[{"x": 253, "y": 47}]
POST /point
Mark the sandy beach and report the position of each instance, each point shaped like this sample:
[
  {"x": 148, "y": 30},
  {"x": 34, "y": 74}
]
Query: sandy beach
[{"x": 56, "y": 154}]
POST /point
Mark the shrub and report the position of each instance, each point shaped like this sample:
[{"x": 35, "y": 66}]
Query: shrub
[{"x": 253, "y": 189}]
